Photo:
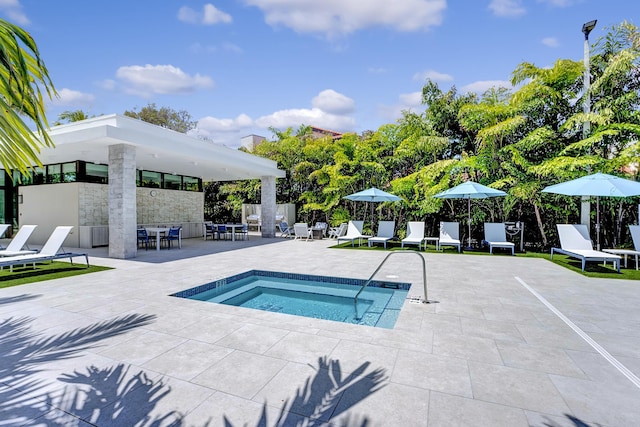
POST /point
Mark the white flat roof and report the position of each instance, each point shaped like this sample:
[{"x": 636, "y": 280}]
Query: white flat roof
[{"x": 157, "y": 149}]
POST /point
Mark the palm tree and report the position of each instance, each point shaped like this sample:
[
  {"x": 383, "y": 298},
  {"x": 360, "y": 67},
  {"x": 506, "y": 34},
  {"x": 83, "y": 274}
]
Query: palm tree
[
  {"x": 70, "y": 117},
  {"x": 23, "y": 78}
]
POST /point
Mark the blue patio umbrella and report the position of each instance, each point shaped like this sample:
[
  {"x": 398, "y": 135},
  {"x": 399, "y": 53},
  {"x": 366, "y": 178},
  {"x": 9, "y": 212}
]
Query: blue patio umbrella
[
  {"x": 372, "y": 195},
  {"x": 596, "y": 185},
  {"x": 470, "y": 190}
]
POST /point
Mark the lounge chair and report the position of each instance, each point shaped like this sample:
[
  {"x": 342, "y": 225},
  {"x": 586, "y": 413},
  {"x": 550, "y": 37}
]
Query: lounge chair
[
  {"x": 49, "y": 252},
  {"x": 19, "y": 241},
  {"x": 415, "y": 234},
  {"x": 449, "y": 235},
  {"x": 4, "y": 228},
  {"x": 302, "y": 231},
  {"x": 496, "y": 237},
  {"x": 285, "y": 229},
  {"x": 339, "y": 231},
  {"x": 635, "y": 236},
  {"x": 354, "y": 231},
  {"x": 575, "y": 242},
  {"x": 386, "y": 231}
]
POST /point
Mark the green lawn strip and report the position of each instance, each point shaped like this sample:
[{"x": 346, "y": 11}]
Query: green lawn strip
[
  {"x": 592, "y": 269},
  {"x": 43, "y": 271}
]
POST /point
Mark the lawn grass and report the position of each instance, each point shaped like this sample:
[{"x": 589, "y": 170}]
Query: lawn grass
[
  {"x": 44, "y": 271},
  {"x": 592, "y": 269}
]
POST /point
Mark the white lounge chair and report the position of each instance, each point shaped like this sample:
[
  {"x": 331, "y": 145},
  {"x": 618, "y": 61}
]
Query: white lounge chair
[
  {"x": 354, "y": 231},
  {"x": 415, "y": 234},
  {"x": 496, "y": 237},
  {"x": 19, "y": 241},
  {"x": 302, "y": 231},
  {"x": 449, "y": 235},
  {"x": 386, "y": 231},
  {"x": 339, "y": 231},
  {"x": 575, "y": 242},
  {"x": 4, "y": 228},
  {"x": 635, "y": 236},
  {"x": 49, "y": 251}
]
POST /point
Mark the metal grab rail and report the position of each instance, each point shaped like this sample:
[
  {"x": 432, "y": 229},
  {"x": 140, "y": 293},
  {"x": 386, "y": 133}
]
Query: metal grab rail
[{"x": 424, "y": 274}]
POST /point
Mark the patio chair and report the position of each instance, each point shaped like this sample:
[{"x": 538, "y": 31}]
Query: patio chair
[
  {"x": 19, "y": 241},
  {"x": 415, "y": 234},
  {"x": 496, "y": 236},
  {"x": 302, "y": 231},
  {"x": 50, "y": 251},
  {"x": 285, "y": 229},
  {"x": 576, "y": 243},
  {"x": 335, "y": 232},
  {"x": 386, "y": 230},
  {"x": 210, "y": 230},
  {"x": 172, "y": 236},
  {"x": 635, "y": 236},
  {"x": 223, "y": 231},
  {"x": 354, "y": 231},
  {"x": 143, "y": 238},
  {"x": 449, "y": 235}
]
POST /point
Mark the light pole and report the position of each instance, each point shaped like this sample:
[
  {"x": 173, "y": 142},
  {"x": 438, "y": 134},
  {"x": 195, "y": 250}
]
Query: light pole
[{"x": 585, "y": 208}]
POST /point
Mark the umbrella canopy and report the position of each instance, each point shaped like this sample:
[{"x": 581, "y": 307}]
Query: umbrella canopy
[
  {"x": 373, "y": 195},
  {"x": 597, "y": 184},
  {"x": 470, "y": 190}
]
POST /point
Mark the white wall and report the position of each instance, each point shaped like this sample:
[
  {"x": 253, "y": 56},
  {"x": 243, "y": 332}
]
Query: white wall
[{"x": 48, "y": 206}]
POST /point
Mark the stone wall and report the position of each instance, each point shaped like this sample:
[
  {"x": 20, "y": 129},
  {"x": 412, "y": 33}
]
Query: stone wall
[
  {"x": 93, "y": 204},
  {"x": 157, "y": 206}
]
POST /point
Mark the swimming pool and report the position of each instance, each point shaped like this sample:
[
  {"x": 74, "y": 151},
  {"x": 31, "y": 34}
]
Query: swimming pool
[{"x": 319, "y": 297}]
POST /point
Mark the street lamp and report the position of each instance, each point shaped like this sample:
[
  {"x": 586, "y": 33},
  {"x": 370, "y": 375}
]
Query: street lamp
[{"x": 585, "y": 208}]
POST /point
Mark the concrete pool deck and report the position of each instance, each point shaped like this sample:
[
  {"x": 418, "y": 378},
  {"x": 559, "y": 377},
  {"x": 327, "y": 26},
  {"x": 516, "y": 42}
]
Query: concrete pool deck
[{"x": 505, "y": 341}]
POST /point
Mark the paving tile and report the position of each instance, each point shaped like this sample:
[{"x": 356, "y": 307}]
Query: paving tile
[
  {"x": 352, "y": 355},
  {"x": 453, "y": 411},
  {"x": 253, "y": 338},
  {"x": 240, "y": 373},
  {"x": 562, "y": 337},
  {"x": 497, "y": 330},
  {"x": 437, "y": 373},
  {"x": 141, "y": 349},
  {"x": 188, "y": 359},
  {"x": 516, "y": 387},
  {"x": 303, "y": 348},
  {"x": 550, "y": 360},
  {"x": 466, "y": 347}
]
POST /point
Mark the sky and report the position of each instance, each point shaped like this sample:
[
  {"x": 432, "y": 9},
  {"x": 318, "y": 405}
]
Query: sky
[{"x": 242, "y": 67}]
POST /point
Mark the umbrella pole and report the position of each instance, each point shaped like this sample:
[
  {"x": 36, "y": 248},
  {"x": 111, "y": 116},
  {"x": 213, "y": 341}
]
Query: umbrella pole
[
  {"x": 469, "y": 218},
  {"x": 598, "y": 223}
]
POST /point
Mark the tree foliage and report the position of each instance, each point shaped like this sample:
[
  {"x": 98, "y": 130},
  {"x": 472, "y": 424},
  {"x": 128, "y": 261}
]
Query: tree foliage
[
  {"x": 24, "y": 82},
  {"x": 166, "y": 117}
]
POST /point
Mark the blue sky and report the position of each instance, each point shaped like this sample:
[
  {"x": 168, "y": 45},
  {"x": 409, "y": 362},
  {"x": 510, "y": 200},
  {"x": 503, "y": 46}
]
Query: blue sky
[{"x": 240, "y": 67}]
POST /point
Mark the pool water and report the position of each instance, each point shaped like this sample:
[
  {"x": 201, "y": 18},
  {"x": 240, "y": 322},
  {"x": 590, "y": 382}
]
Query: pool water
[{"x": 320, "y": 297}]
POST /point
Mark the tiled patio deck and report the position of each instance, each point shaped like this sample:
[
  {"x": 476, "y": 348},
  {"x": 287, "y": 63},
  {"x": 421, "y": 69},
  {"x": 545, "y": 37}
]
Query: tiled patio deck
[{"x": 113, "y": 349}]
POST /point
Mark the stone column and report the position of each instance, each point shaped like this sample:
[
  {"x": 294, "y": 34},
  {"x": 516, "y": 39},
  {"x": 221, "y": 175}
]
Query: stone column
[
  {"x": 268, "y": 207},
  {"x": 122, "y": 201}
]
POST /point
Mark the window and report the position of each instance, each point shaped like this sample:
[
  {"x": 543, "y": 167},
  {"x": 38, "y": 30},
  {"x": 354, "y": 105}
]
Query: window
[
  {"x": 172, "y": 182},
  {"x": 37, "y": 175},
  {"x": 96, "y": 173},
  {"x": 69, "y": 172},
  {"x": 151, "y": 179},
  {"x": 191, "y": 183},
  {"x": 53, "y": 174}
]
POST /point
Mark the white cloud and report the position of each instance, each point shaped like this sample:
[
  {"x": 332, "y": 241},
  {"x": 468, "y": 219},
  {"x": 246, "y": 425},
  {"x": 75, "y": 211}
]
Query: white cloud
[
  {"x": 432, "y": 75},
  {"x": 213, "y": 125},
  {"x": 482, "y": 86},
  {"x": 406, "y": 102},
  {"x": 293, "y": 118},
  {"x": 160, "y": 79},
  {"x": 73, "y": 98},
  {"x": 559, "y": 3},
  {"x": 507, "y": 8},
  {"x": 550, "y": 42},
  {"x": 333, "y": 102},
  {"x": 340, "y": 17},
  {"x": 210, "y": 15},
  {"x": 13, "y": 10}
]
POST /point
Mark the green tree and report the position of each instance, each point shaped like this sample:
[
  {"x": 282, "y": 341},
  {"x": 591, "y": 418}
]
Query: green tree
[
  {"x": 180, "y": 121},
  {"x": 71, "y": 116},
  {"x": 23, "y": 78}
]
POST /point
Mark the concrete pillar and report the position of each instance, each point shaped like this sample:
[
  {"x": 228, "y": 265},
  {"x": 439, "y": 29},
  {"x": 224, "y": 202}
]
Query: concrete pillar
[
  {"x": 122, "y": 201},
  {"x": 268, "y": 201}
]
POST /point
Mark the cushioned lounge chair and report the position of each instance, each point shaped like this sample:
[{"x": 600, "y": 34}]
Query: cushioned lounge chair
[
  {"x": 496, "y": 237},
  {"x": 635, "y": 252},
  {"x": 50, "y": 251},
  {"x": 285, "y": 229},
  {"x": 449, "y": 235},
  {"x": 415, "y": 234},
  {"x": 386, "y": 230},
  {"x": 19, "y": 241},
  {"x": 576, "y": 243},
  {"x": 354, "y": 232},
  {"x": 339, "y": 231}
]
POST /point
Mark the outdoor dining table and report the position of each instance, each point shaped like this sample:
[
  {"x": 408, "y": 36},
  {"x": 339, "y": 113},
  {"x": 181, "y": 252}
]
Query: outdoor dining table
[
  {"x": 233, "y": 228},
  {"x": 158, "y": 231}
]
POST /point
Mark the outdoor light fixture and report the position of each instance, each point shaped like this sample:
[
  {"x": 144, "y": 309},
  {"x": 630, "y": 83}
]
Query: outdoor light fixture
[{"x": 587, "y": 27}]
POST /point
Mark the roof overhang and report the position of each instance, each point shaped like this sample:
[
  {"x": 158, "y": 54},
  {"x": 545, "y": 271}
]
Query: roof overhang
[{"x": 157, "y": 149}]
